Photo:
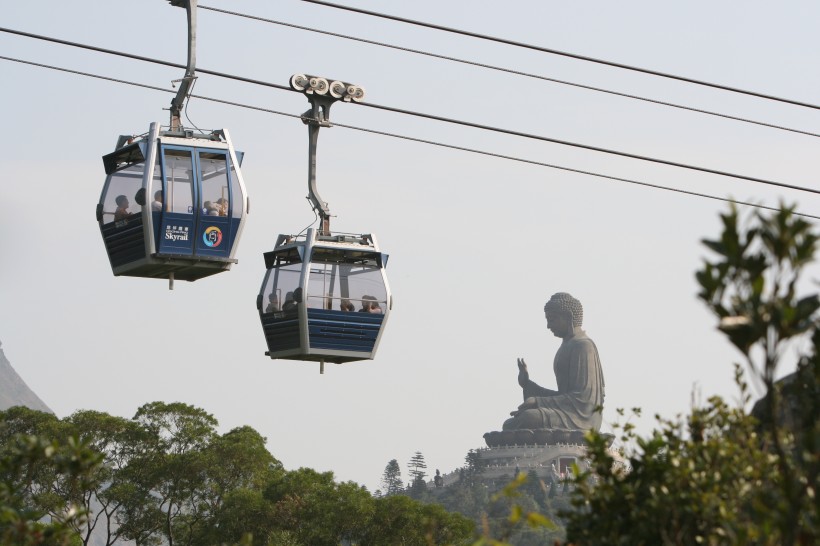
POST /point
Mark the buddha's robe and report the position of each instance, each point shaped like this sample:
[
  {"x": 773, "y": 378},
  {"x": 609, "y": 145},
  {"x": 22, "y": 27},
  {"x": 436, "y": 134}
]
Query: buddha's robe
[{"x": 580, "y": 380}]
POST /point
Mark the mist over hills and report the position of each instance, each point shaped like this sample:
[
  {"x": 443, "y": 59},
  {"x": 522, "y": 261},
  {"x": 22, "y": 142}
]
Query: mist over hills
[{"x": 14, "y": 391}]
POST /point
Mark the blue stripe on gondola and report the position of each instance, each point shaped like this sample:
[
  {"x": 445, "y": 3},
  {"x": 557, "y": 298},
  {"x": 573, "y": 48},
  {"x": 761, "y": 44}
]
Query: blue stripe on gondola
[
  {"x": 124, "y": 240},
  {"x": 281, "y": 333},
  {"x": 343, "y": 331}
]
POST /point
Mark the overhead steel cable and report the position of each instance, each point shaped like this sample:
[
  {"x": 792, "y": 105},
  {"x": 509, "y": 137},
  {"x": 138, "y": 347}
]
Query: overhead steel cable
[
  {"x": 454, "y": 59},
  {"x": 592, "y": 148},
  {"x": 564, "y": 54},
  {"x": 142, "y": 58},
  {"x": 414, "y": 139},
  {"x": 454, "y": 121},
  {"x": 508, "y": 70}
]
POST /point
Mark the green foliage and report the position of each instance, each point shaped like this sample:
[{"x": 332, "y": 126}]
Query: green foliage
[
  {"x": 513, "y": 517},
  {"x": 167, "y": 477},
  {"x": 391, "y": 479},
  {"x": 400, "y": 520},
  {"x": 23, "y": 465},
  {"x": 417, "y": 467},
  {"x": 718, "y": 475}
]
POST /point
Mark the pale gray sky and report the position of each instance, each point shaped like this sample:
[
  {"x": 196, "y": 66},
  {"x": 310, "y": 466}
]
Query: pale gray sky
[{"x": 477, "y": 244}]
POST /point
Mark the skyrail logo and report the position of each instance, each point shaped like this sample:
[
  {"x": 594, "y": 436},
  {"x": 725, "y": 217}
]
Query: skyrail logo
[
  {"x": 176, "y": 233},
  {"x": 212, "y": 236}
]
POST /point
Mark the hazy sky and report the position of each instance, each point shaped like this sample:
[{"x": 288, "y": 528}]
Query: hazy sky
[{"x": 477, "y": 244}]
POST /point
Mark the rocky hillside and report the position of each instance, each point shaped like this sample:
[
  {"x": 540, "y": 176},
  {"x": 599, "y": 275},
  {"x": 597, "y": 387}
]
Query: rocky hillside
[{"x": 14, "y": 391}]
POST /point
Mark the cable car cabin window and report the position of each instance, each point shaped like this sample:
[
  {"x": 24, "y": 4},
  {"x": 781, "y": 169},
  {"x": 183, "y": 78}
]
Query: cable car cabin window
[
  {"x": 215, "y": 195},
  {"x": 179, "y": 177},
  {"x": 120, "y": 200},
  {"x": 282, "y": 292},
  {"x": 346, "y": 287}
]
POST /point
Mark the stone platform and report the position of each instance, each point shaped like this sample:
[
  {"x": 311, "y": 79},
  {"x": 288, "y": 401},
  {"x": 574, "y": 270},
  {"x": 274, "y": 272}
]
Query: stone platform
[{"x": 540, "y": 437}]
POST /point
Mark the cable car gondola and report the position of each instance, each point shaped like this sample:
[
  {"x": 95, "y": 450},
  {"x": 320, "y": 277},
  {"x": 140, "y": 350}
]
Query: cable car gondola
[
  {"x": 173, "y": 205},
  {"x": 174, "y": 202},
  {"x": 325, "y": 296}
]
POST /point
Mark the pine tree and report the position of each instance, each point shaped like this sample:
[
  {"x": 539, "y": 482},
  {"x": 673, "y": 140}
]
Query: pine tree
[
  {"x": 391, "y": 479},
  {"x": 417, "y": 468}
]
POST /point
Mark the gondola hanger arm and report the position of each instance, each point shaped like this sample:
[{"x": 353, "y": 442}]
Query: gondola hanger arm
[
  {"x": 187, "y": 81},
  {"x": 321, "y": 96}
]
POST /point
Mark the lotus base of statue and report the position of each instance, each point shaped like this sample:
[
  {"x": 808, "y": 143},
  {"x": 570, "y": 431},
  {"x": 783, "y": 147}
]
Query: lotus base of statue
[{"x": 538, "y": 437}]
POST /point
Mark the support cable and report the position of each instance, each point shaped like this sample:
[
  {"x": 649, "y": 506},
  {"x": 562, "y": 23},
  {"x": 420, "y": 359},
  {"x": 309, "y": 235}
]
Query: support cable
[
  {"x": 510, "y": 71},
  {"x": 476, "y": 125},
  {"x": 564, "y": 53},
  {"x": 414, "y": 139}
]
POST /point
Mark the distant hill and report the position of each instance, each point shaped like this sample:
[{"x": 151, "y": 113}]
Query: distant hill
[{"x": 14, "y": 391}]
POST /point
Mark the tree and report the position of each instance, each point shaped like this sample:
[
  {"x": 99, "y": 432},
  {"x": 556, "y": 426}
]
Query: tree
[
  {"x": 398, "y": 519},
  {"x": 753, "y": 288},
  {"x": 166, "y": 483},
  {"x": 21, "y": 524},
  {"x": 318, "y": 511},
  {"x": 391, "y": 479},
  {"x": 417, "y": 467},
  {"x": 719, "y": 475},
  {"x": 41, "y": 485},
  {"x": 118, "y": 441}
]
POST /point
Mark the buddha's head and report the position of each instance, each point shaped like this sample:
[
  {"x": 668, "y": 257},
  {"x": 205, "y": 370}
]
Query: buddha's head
[{"x": 564, "y": 313}]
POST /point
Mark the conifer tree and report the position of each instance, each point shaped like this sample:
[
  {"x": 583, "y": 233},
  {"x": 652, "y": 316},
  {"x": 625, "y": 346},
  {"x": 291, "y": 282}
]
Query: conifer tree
[
  {"x": 391, "y": 479},
  {"x": 417, "y": 467}
]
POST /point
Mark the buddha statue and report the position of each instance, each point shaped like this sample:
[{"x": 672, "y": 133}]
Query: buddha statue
[{"x": 563, "y": 414}]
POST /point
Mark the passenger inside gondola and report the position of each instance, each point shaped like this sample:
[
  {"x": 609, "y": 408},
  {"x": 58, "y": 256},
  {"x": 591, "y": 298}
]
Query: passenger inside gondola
[
  {"x": 156, "y": 204},
  {"x": 209, "y": 209},
  {"x": 222, "y": 206},
  {"x": 347, "y": 306},
  {"x": 122, "y": 208},
  {"x": 289, "y": 305},
  {"x": 273, "y": 303},
  {"x": 367, "y": 303}
]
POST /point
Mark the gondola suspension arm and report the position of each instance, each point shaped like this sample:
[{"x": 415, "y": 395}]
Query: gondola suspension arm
[
  {"x": 321, "y": 96},
  {"x": 187, "y": 81}
]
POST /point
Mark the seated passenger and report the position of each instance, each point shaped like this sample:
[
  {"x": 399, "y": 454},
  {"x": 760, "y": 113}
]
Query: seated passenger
[
  {"x": 273, "y": 304},
  {"x": 347, "y": 306},
  {"x": 375, "y": 308},
  {"x": 292, "y": 300},
  {"x": 156, "y": 204},
  {"x": 290, "y": 305},
  {"x": 367, "y": 301},
  {"x": 209, "y": 209},
  {"x": 222, "y": 206},
  {"x": 122, "y": 208}
]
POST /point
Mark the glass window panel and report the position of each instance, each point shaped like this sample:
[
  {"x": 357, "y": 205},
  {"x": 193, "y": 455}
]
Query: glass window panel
[
  {"x": 119, "y": 200},
  {"x": 179, "y": 181},
  {"x": 346, "y": 287},
  {"x": 281, "y": 290},
  {"x": 323, "y": 286},
  {"x": 213, "y": 167}
]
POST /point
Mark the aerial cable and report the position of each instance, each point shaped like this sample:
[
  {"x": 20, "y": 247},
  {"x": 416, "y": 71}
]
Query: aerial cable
[
  {"x": 564, "y": 54},
  {"x": 476, "y": 125},
  {"x": 592, "y": 148},
  {"x": 142, "y": 58},
  {"x": 413, "y": 139},
  {"x": 510, "y": 71},
  {"x": 491, "y": 67}
]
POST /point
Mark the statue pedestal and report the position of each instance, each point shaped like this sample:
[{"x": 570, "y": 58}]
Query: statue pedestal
[
  {"x": 551, "y": 463},
  {"x": 540, "y": 437},
  {"x": 548, "y": 453}
]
